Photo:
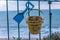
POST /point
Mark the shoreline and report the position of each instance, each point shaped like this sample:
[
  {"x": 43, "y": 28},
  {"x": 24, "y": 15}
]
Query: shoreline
[{"x": 15, "y": 39}]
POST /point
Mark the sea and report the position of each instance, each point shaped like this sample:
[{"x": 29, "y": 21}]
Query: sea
[{"x": 24, "y": 30}]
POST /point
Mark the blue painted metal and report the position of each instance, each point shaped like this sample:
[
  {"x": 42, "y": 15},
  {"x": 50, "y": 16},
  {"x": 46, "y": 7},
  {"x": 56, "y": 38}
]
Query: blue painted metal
[
  {"x": 39, "y": 15},
  {"x": 7, "y": 19},
  {"x": 50, "y": 17},
  {"x": 49, "y": 2},
  {"x": 29, "y": 36},
  {"x": 28, "y": 5},
  {"x": 18, "y": 23},
  {"x": 19, "y": 17}
]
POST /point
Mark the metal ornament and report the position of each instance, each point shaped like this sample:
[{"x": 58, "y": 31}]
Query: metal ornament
[{"x": 19, "y": 17}]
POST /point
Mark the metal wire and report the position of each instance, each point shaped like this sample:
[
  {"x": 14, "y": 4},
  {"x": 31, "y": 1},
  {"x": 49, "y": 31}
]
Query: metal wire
[{"x": 36, "y": 10}]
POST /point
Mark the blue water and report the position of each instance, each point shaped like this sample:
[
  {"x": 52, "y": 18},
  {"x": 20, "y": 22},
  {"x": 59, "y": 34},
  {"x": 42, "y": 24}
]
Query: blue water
[{"x": 24, "y": 31}]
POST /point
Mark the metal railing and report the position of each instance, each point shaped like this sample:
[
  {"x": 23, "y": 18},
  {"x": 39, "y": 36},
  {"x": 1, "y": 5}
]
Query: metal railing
[{"x": 50, "y": 18}]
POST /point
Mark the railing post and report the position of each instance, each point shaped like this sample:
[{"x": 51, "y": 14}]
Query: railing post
[
  {"x": 28, "y": 15},
  {"x": 18, "y": 23},
  {"x": 50, "y": 18},
  {"x": 39, "y": 15},
  {"x": 7, "y": 19}
]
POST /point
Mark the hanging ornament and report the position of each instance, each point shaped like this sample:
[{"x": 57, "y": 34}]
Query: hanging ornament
[{"x": 34, "y": 23}]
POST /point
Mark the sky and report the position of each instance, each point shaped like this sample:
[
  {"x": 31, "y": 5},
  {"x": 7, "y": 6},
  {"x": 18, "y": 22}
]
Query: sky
[{"x": 12, "y": 5}]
